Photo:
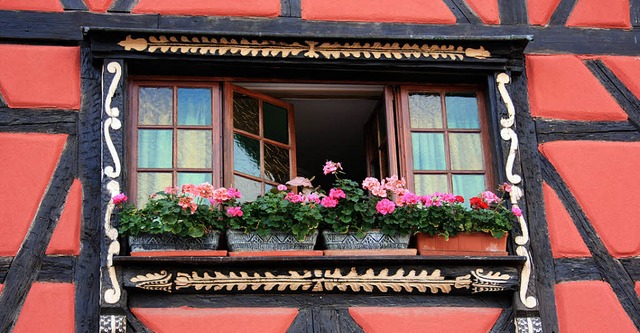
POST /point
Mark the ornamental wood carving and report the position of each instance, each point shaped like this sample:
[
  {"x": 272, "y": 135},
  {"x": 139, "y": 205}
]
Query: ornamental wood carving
[
  {"x": 307, "y": 49},
  {"x": 323, "y": 280}
]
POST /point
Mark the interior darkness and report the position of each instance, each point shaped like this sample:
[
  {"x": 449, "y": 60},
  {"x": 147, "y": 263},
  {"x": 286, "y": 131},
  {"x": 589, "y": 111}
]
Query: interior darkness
[{"x": 329, "y": 125}]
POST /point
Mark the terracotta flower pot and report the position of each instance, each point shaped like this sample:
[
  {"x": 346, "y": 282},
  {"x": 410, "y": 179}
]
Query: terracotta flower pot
[{"x": 465, "y": 244}]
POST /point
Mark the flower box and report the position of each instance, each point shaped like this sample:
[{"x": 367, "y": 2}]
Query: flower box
[
  {"x": 173, "y": 245},
  {"x": 275, "y": 243},
  {"x": 463, "y": 244},
  {"x": 373, "y": 243}
]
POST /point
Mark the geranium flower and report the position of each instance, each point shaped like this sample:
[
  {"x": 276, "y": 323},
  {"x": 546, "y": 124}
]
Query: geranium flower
[
  {"x": 204, "y": 190},
  {"x": 187, "y": 203},
  {"x": 516, "y": 211},
  {"x": 189, "y": 188},
  {"x": 294, "y": 197},
  {"x": 234, "y": 193},
  {"x": 119, "y": 198},
  {"x": 379, "y": 192},
  {"x": 328, "y": 202},
  {"x": 478, "y": 203},
  {"x": 410, "y": 198},
  {"x": 490, "y": 197},
  {"x": 220, "y": 195},
  {"x": 370, "y": 183},
  {"x": 385, "y": 206},
  {"x": 331, "y": 167},
  {"x": 337, "y": 193},
  {"x": 312, "y": 198},
  {"x": 171, "y": 190},
  {"x": 234, "y": 211},
  {"x": 282, "y": 187}
]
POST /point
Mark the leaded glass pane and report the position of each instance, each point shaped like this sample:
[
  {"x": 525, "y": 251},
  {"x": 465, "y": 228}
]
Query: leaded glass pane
[
  {"x": 155, "y": 106},
  {"x": 194, "y": 149},
  {"x": 428, "y": 184},
  {"x": 150, "y": 183},
  {"x": 246, "y": 155},
  {"x": 466, "y": 151},
  {"x": 276, "y": 123},
  {"x": 428, "y": 151},
  {"x": 249, "y": 188},
  {"x": 155, "y": 148},
  {"x": 246, "y": 113},
  {"x": 462, "y": 111},
  {"x": 276, "y": 163},
  {"x": 468, "y": 185},
  {"x": 425, "y": 111},
  {"x": 193, "y": 178},
  {"x": 194, "y": 106}
]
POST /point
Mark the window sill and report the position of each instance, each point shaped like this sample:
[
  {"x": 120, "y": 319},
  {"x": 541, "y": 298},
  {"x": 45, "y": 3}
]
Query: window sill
[{"x": 316, "y": 275}]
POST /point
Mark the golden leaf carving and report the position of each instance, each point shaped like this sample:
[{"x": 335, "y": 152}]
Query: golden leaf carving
[
  {"x": 154, "y": 281},
  {"x": 310, "y": 49}
]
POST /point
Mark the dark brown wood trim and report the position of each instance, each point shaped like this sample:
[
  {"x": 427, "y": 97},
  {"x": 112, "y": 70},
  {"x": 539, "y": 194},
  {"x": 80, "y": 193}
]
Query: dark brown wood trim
[
  {"x": 513, "y": 12},
  {"x": 73, "y": 5},
  {"x": 625, "y": 98},
  {"x": 610, "y": 268},
  {"x": 635, "y": 13},
  {"x": 40, "y": 121},
  {"x": 576, "y": 269},
  {"x": 504, "y": 322},
  {"x": 462, "y": 12},
  {"x": 53, "y": 269},
  {"x": 562, "y": 12},
  {"x": 554, "y": 130},
  {"x": 27, "y": 264},
  {"x": 122, "y": 6},
  {"x": 632, "y": 265},
  {"x": 290, "y": 8}
]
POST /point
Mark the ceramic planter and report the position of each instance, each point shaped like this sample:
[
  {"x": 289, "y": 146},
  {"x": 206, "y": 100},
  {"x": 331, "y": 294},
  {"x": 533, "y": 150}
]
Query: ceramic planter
[
  {"x": 275, "y": 241},
  {"x": 464, "y": 244},
  {"x": 169, "y": 244},
  {"x": 373, "y": 240}
]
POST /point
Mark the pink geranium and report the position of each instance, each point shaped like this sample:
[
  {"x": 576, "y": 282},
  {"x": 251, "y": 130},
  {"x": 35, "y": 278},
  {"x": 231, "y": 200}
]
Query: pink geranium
[
  {"x": 489, "y": 197},
  {"x": 282, "y": 187},
  {"x": 234, "y": 211},
  {"x": 119, "y": 198},
  {"x": 385, "y": 206},
  {"x": 331, "y": 167},
  {"x": 516, "y": 211},
  {"x": 370, "y": 183},
  {"x": 337, "y": 193},
  {"x": 171, "y": 190},
  {"x": 328, "y": 202},
  {"x": 294, "y": 197},
  {"x": 187, "y": 203},
  {"x": 234, "y": 193},
  {"x": 312, "y": 198}
]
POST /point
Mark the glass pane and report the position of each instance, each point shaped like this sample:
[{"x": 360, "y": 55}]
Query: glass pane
[
  {"x": 466, "y": 151},
  {"x": 155, "y": 106},
  {"x": 250, "y": 189},
  {"x": 428, "y": 151},
  {"x": 428, "y": 184},
  {"x": 425, "y": 111},
  {"x": 193, "y": 178},
  {"x": 194, "y": 106},
  {"x": 149, "y": 183},
  {"x": 276, "y": 122},
  {"x": 468, "y": 185},
  {"x": 246, "y": 155},
  {"x": 462, "y": 111},
  {"x": 246, "y": 113},
  {"x": 194, "y": 149},
  {"x": 155, "y": 148},
  {"x": 276, "y": 164}
]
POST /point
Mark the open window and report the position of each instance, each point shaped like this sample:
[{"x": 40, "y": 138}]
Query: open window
[{"x": 256, "y": 135}]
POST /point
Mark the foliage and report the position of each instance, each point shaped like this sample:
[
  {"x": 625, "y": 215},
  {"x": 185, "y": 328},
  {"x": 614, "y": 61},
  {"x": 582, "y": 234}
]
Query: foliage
[
  {"x": 191, "y": 211},
  {"x": 279, "y": 210}
]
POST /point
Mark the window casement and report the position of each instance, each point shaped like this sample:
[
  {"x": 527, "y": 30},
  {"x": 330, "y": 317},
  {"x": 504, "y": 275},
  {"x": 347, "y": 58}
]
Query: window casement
[{"x": 238, "y": 134}]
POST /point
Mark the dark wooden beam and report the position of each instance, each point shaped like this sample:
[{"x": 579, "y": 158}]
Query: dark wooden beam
[
  {"x": 290, "y": 8},
  {"x": 3, "y": 104},
  {"x": 576, "y": 269},
  {"x": 53, "y": 269},
  {"x": 37, "y": 120},
  {"x": 610, "y": 268},
  {"x": 462, "y": 12},
  {"x": 562, "y": 12},
  {"x": 123, "y": 6},
  {"x": 135, "y": 324},
  {"x": 504, "y": 322},
  {"x": 632, "y": 265},
  {"x": 89, "y": 153},
  {"x": 27, "y": 264},
  {"x": 635, "y": 13},
  {"x": 74, "y": 5},
  {"x": 625, "y": 98},
  {"x": 553, "y": 130},
  {"x": 513, "y": 12},
  {"x": 59, "y": 27}
]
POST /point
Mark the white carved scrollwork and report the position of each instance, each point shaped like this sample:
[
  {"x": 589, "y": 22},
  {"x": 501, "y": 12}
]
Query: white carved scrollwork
[
  {"x": 508, "y": 134},
  {"x": 112, "y": 295}
]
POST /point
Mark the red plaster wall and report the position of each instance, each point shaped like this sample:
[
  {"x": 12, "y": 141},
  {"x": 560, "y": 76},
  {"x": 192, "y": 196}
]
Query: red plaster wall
[
  {"x": 605, "y": 179},
  {"x": 98, "y": 5},
  {"x": 627, "y": 69},
  {"x": 600, "y": 14},
  {"x": 487, "y": 10},
  {"x": 265, "y": 8},
  {"x": 425, "y": 319},
  {"x": 34, "y": 5},
  {"x": 40, "y": 76},
  {"x": 407, "y": 11},
  {"x": 637, "y": 288},
  {"x": 66, "y": 237},
  {"x": 49, "y": 307},
  {"x": 540, "y": 11},
  {"x": 565, "y": 240},
  {"x": 231, "y": 320},
  {"x": 26, "y": 166},
  {"x": 590, "y": 306},
  {"x": 562, "y": 87}
]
